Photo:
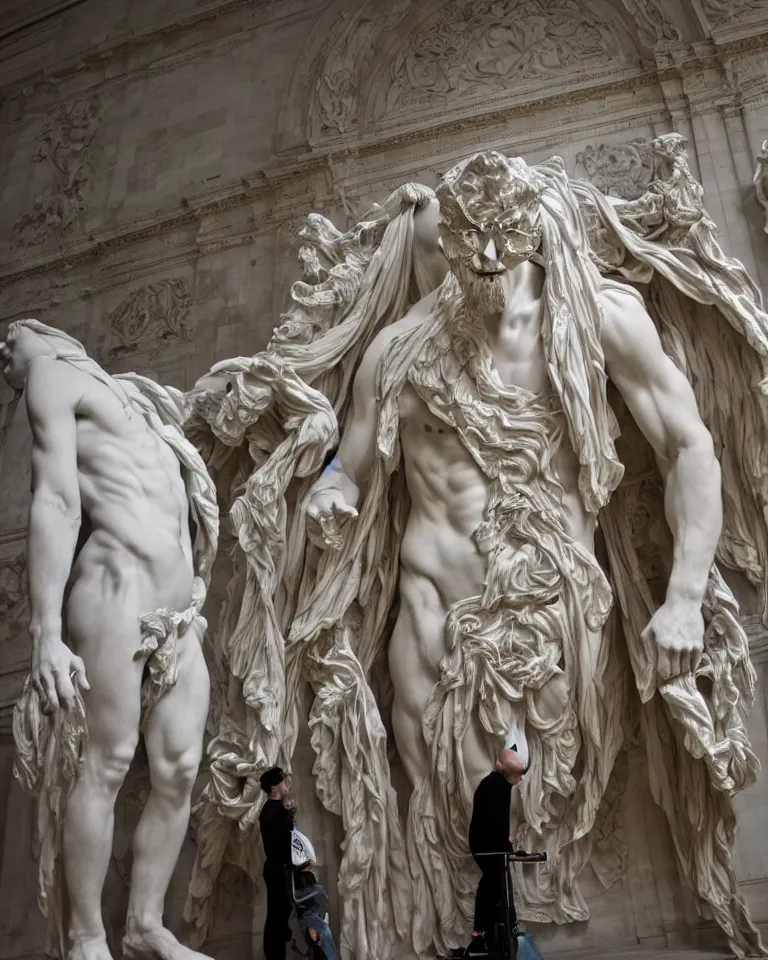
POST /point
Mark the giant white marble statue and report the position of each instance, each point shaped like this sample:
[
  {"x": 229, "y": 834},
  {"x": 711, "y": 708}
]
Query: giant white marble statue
[
  {"x": 116, "y": 586},
  {"x": 485, "y": 569},
  {"x": 264, "y": 425}
]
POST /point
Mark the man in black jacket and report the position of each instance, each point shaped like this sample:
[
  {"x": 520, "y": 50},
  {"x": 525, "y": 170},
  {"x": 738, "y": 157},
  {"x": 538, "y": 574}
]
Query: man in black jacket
[
  {"x": 276, "y": 822},
  {"x": 489, "y": 833}
]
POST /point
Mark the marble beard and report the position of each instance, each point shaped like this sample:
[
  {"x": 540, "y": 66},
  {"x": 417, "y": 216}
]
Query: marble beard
[
  {"x": 52, "y": 744},
  {"x": 538, "y": 601}
]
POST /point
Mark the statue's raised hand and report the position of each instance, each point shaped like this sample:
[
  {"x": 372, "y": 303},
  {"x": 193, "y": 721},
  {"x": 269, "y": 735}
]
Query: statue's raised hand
[
  {"x": 677, "y": 629},
  {"x": 326, "y": 511},
  {"x": 55, "y": 672}
]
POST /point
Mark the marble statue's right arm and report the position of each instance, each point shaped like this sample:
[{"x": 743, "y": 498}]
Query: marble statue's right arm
[
  {"x": 349, "y": 469},
  {"x": 338, "y": 489},
  {"x": 54, "y": 524}
]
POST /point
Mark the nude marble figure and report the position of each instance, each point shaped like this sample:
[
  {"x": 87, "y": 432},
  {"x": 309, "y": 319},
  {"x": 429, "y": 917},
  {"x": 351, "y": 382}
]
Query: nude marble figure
[{"x": 109, "y": 542}]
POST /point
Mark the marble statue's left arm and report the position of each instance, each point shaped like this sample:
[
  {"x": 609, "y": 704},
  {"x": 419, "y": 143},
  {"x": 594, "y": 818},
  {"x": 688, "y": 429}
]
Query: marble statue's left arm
[
  {"x": 54, "y": 524},
  {"x": 663, "y": 404}
]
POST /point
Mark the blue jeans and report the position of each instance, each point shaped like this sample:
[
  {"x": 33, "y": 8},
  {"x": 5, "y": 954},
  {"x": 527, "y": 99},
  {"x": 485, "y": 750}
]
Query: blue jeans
[{"x": 324, "y": 936}]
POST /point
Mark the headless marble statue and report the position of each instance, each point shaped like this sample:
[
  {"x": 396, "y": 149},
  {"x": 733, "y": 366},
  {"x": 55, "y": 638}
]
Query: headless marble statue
[{"x": 109, "y": 542}]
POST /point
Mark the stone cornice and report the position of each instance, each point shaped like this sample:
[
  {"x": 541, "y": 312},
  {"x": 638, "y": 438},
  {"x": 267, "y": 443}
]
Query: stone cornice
[
  {"x": 130, "y": 46},
  {"x": 13, "y": 535},
  {"x": 272, "y": 192},
  {"x": 274, "y": 188},
  {"x": 105, "y": 240},
  {"x": 23, "y": 23},
  {"x": 444, "y": 128}
]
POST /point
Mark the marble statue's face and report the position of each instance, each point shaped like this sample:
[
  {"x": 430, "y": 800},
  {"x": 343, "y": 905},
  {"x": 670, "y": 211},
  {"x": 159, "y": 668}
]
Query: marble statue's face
[
  {"x": 17, "y": 352},
  {"x": 426, "y": 225},
  {"x": 489, "y": 223}
]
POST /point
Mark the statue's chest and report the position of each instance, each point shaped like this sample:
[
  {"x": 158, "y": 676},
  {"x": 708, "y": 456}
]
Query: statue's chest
[
  {"x": 507, "y": 429},
  {"x": 519, "y": 363}
]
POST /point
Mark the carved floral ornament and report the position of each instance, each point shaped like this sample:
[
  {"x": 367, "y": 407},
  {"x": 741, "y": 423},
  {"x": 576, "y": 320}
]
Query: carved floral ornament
[
  {"x": 64, "y": 147},
  {"x": 152, "y": 315},
  {"x": 619, "y": 170},
  {"x": 13, "y": 589},
  {"x": 389, "y": 59},
  {"x": 725, "y": 12},
  {"x": 761, "y": 180}
]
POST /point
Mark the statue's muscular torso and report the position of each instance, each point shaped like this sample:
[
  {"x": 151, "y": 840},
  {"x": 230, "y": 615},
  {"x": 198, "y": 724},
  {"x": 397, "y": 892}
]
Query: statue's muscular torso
[
  {"x": 440, "y": 564},
  {"x": 133, "y": 499}
]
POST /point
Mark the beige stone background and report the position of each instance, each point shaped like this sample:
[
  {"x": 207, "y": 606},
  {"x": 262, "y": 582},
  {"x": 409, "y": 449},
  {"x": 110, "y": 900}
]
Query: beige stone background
[{"x": 156, "y": 160}]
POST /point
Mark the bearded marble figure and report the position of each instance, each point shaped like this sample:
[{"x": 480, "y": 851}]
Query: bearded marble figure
[
  {"x": 482, "y": 575},
  {"x": 117, "y": 581}
]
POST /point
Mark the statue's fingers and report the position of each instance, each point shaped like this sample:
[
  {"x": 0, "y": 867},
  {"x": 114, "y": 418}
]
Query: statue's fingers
[
  {"x": 675, "y": 667},
  {"x": 662, "y": 664},
  {"x": 344, "y": 510},
  {"x": 48, "y": 685},
  {"x": 65, "y": 689},
  {"x": 78, "y": 672},
  {"x": 695, "y": 656}
]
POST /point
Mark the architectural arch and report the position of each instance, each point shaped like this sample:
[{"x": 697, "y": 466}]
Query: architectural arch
[{"x": 383, "y": 66}]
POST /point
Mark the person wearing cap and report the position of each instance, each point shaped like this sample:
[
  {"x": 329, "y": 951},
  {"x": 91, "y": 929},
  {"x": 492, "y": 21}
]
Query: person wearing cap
[
  {"x": 276, "y": 823},
  {"x": 489, "y": 834}
]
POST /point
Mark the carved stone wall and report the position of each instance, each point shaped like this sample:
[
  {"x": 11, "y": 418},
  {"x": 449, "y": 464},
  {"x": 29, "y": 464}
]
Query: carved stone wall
[{"x": 156, "y": 160}]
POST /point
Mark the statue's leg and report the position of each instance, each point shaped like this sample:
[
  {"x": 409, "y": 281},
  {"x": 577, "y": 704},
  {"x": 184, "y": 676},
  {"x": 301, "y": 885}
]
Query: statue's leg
[
  {"x": 106, "y": 636},
  {"x": 174, "y": 740},
  {"x": 415, "y": 650}
]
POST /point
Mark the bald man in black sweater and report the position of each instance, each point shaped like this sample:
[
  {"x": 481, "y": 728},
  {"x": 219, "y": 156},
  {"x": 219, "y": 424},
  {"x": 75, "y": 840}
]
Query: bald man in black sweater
[{"x": 489, "y": 833}]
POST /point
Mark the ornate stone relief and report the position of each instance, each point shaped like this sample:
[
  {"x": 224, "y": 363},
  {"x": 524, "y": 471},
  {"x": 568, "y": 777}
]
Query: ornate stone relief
[
  {"x": 469, "y": 48},
  {"x": 157, "y": 313},
  {"x": 618, "y": 170},
  {"x": 720, "y": 12},
  {"x": 65, "y": 146},
  {"x": 761, "y": 180},
  {"x": 651, "y": 22},
  {"x": 13, "y": 589},
  {"x": 462, "y": 48},
  {"x": 338, "y": 82}
]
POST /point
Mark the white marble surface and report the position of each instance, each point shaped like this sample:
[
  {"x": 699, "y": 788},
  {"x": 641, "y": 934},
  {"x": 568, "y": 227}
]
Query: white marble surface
[{"x": 199, "y": 136}]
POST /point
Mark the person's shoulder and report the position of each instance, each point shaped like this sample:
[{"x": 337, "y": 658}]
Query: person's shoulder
[
  {"x": 626, "y": 322},
  {"x": 417, "y": 314},
  {"x": 619, "y": 301},
  {"x": 44, "y": 369},
  {"x": 51, "y": 385},
  {"x": 488, "y": 781}
]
